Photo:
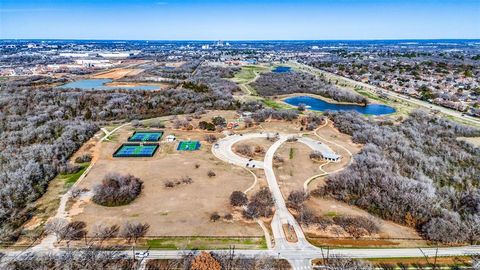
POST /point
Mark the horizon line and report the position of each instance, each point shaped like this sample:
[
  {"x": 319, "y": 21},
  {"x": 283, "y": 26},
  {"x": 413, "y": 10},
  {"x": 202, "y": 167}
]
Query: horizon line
[{"x": 243, "y": 40}]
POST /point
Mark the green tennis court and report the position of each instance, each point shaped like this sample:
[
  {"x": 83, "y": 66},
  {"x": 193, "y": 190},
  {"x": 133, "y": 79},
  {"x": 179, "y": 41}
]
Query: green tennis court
[
  {"x": 188, "y": 146},
  {"x": 146, "y": 136},
  {"x": 136, "y": 150}
]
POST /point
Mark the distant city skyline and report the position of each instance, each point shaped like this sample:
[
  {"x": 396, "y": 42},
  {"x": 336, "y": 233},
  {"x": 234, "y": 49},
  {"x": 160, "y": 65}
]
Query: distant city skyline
[{"x": 240, "y": 20}]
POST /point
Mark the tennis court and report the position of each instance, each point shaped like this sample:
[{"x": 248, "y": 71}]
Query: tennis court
[
  {"x": 188, "y": 146},
  {"x": 146, "y": 136},
  {"x": 136, "y": 150}
]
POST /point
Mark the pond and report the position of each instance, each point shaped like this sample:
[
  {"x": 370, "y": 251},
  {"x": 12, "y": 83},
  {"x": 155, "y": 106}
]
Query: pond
[
  {"x": 100, "y": 84},
  {"x": 281, "y": 69},
  {"x": 321, "y": 105}
]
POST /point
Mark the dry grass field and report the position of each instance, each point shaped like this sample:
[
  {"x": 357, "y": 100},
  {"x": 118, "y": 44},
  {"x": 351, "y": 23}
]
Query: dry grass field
[
  {"x": 133, "y": 84},
  {"x": 473, "y": 140},
  {"x": 260, "y": 143},
  {"x": 177, "y": 211},
  {"x": 183, "y": 210},
  {"x": 296, "y": 168},
  {"x": 117, "y": 73}
]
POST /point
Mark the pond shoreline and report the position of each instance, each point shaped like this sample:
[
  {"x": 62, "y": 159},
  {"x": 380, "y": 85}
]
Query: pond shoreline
[
  {"x": 281, "y": 98},
  {"x": 315, "y": 103}
]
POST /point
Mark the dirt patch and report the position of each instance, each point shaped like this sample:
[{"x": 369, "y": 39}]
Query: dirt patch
[
  {"x": 134, "y": 84},
  {"x": 117, "y": 73}
]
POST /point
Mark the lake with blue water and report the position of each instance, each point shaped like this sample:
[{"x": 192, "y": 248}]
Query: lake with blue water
[
  {"x": 100, "y": 84},
  {"x": 282, "y": 69},
  {"x": 317, "y": 104}
]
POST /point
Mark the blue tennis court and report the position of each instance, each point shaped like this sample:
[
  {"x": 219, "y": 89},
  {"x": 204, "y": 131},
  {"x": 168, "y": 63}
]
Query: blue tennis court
[
  {"x": 146, "y": 136},
  {"x": 136, "y": 150}
]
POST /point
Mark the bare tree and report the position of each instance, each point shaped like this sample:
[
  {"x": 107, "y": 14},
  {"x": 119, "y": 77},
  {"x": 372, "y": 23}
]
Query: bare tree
[
  {"x": 238, "y": 198},
  {"x": 56, "y": 226},
  {"x": 132, "y": 231},
  {"x": 103, "y": 232}
]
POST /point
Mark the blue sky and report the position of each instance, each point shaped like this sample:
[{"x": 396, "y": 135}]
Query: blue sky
[{"x": 239, "y": 20}]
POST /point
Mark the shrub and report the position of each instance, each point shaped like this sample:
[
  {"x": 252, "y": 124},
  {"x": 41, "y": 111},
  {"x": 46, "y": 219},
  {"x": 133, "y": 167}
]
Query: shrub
[
  {"x": 87, "y": 157},
  {"x": 69, "y": 169},
  {"x": 117, "y": 190},
  {"x": 219, "y": 121},
  {"x": 238, "y": 198},
  {"x": 244, "y": 149},
  {"x": 259, "y": 150},
  {"x": 210, "y": 138},
  {"x": 211, "y": 173},
  {"x": 296, "y": 199},
  {"x": 169, "y": 184},
  {"x": 214, "y": 216},
  {"x": 176, "y": 182}
]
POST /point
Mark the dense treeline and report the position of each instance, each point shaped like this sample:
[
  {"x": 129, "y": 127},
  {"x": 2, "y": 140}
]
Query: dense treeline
[
  {"x": 41, "y": 128},
  {"x": 271, "y": 84},
  {"x": 214, "y": 78},
  {"x": 416, "y": 173}
]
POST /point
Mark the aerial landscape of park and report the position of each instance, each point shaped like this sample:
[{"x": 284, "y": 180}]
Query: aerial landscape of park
[{"x": 238, "y": 154}]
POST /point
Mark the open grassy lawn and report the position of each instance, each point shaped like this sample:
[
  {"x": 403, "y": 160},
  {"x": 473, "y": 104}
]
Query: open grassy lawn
[
  {"x": 196, "y": 242},
  {"x": 248, "y": 73},
  {"x": 70, "y": 179},
  {"x": 276, "y": 105},
  {"x": 416, "y": 263}
]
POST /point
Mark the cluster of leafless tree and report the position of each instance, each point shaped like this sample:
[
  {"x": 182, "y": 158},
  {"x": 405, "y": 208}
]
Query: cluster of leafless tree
[
  {"x": 272, "y": 84},
  {"x": 214, "y": 79},
  {"x": 238, "y": 198},
  {"x": 93, "y": 256},
  {"x": 264, "y": 114},
  {"x": 312, "y": 120},
  {"x": 116, "y": 190},
  {"x": 415, "y": 173},
  {"x": 35, "y": 141},
  {"x": 356, "y": 226},
  {"x": 37, "y": 80},
  {"x": 90, "y": 258},
  {"x": 41, "y": 128},
  {"x": 260, "y": 205}
]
